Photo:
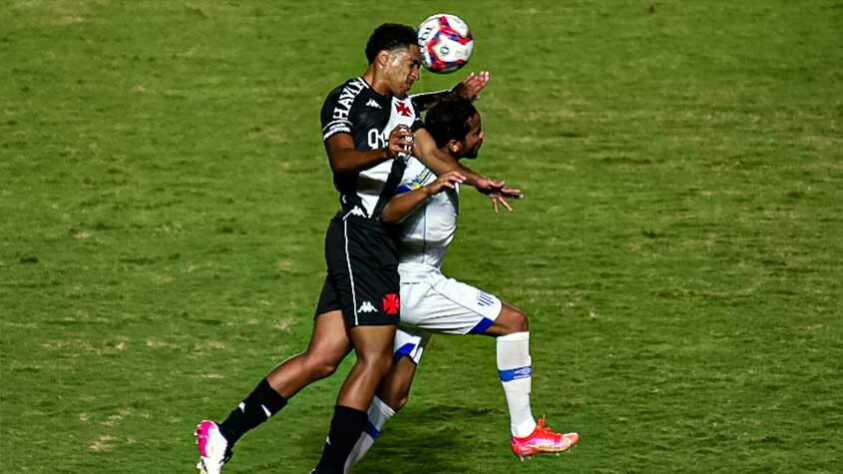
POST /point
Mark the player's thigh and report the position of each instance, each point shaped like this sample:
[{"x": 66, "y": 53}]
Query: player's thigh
[
  {"x": 363, "y": 266},
  {"x": 373, "y": 342},
  {"x": 329, "y": 340},
  {"x": 445, "y": 305}
]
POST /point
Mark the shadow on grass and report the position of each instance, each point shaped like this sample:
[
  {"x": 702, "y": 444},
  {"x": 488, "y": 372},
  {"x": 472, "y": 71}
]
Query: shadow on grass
[{"x": 425, "y": 440}]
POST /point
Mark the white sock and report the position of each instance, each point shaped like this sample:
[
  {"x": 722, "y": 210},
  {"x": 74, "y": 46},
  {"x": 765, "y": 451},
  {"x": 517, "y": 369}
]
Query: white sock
[
  {"x": 516, "y": 373},
  {"x": 379, "y": 414}
]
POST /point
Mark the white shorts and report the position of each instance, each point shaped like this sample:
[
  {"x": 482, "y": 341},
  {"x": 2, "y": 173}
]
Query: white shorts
[{"x": 434, "y": 303}]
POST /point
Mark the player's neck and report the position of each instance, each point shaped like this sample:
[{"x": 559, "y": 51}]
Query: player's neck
[
  {"x": 377, "y": 82},
  {"x": 448, "y": 152}
]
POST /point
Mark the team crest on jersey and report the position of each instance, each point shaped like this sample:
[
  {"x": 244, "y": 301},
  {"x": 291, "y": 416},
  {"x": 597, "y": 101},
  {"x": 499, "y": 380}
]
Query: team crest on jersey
[
  {"x": 420, "y": 180},
  {"x": 403, "y": 109},
  {"x": 391, "y": 303}
]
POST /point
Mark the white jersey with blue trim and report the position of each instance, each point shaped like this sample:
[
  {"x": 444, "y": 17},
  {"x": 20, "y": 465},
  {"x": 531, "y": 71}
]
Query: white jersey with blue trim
[{"x": 424, "y": 235}]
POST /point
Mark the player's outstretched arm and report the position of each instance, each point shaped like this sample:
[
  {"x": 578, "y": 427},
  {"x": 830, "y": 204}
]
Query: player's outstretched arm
[
  {"x": 404, "y": 204},
  {"x": 469, "y": 88},
  {"x": 345, "y": 158},
  {"x": 440, "y": 163}
]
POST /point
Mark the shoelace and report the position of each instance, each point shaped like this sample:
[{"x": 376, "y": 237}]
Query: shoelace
[{"x": 547, "y": 431}]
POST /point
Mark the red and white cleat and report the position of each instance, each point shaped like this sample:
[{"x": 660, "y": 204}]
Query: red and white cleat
[{"x": 543, "y": 440}]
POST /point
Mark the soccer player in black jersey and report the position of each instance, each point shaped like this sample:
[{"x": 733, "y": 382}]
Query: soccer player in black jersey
[{"x": 370, "y": 128}]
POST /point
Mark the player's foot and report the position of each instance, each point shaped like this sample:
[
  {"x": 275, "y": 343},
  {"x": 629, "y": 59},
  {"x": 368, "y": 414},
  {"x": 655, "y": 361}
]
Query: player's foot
[
  {"x": 214, "y": 451},
  {"x": 543, "y": 440}
]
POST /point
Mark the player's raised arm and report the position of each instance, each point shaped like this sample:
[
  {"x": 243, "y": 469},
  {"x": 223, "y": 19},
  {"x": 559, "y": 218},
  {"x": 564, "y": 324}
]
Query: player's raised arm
[
  {"x": 345, "y": 158},
  {"x": 469, "y": 88}
]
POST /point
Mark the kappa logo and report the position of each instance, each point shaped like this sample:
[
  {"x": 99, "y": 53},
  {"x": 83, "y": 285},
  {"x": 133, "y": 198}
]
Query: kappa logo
[
  {"x": 356, "y": 211},
  {"x": 367, "y": 307},
  {"x": 403, "y": 109},
  {"x": 373, "y": 104}
]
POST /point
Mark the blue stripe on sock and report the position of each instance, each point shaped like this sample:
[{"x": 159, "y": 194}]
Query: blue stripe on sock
[
  {"x": 481, "y": 327},
  {"x": 371, "y": 430},
  {"x": 515, "y": 374},
  {"x": 402, "y": 351}
]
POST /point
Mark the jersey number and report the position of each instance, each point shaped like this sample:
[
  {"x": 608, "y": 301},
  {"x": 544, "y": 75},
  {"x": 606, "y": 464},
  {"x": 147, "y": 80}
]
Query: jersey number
[{"x": 376, "y": 139}]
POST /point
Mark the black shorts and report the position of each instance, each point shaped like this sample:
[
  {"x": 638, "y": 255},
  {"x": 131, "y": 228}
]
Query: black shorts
[{"x": 362, "y": 276}]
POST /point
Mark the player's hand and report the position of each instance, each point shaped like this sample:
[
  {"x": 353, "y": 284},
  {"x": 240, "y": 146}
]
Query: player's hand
[
  {"x": 471, "y": 86},
  {"x": 400, "y": 141},
  {"x": 488, "y": 185},
  {"x": 446, "y": 181},
  {"x": 497, "y": 192},
  {"x": 499, "y": 198}
]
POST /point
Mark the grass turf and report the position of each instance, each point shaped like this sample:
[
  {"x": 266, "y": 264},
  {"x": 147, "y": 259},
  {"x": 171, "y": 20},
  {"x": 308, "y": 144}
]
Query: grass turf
[{"x": 164, "y": 195}]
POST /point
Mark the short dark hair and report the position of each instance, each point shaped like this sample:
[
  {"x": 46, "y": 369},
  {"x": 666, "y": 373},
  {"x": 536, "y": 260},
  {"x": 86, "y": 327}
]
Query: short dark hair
[
  {"x": 448, "y": 119},
  {"x": 390, "y": 36}
]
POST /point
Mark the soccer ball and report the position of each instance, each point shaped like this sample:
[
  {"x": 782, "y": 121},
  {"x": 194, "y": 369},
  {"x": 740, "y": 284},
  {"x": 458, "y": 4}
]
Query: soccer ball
[{"x": 446, "y": 43}]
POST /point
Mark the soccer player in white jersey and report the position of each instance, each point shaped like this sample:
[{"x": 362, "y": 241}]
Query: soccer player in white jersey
[{"x": 425, "y": 210}]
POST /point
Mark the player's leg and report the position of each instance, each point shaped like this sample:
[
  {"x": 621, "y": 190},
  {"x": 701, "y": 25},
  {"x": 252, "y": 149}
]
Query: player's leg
[
  {"x": 511, "y": 330},
  {"x": 395, "y": 390},
  {"x": 515, "y": 368},
  {"x": 453, "y": 307},
  {"x": 373, "y": 347},
  {"x": 329, "y": 343},
  {"x": 511, "y": 320},
  {"x": 393, "y": 393},
  {"x": 328, "y": 346}
]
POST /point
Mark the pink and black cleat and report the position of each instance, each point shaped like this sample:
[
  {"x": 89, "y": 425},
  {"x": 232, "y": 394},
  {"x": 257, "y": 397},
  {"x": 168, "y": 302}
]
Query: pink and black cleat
[{"x": 213, "y": 448}]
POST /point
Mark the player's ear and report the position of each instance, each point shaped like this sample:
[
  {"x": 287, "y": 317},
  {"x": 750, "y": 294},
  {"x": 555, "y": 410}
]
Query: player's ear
[
  {"x": 382, "y": 58},
  {"x": 455, "y": 146}
]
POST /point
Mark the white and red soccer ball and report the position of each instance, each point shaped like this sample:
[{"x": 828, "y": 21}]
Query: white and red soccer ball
[{"x": 446, "y": 43}]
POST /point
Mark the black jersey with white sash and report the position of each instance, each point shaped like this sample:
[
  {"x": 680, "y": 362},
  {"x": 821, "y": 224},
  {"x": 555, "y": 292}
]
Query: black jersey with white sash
[{"x": 369, "y": 117}]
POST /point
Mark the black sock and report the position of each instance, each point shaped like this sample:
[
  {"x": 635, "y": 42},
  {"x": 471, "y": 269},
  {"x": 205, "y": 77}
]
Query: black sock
[
  {"x": 346, "y": 427},
  {"x": 258, "y": 407}
]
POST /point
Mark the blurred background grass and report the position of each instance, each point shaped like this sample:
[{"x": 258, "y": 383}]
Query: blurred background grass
[{"x": 164, "y": 195}]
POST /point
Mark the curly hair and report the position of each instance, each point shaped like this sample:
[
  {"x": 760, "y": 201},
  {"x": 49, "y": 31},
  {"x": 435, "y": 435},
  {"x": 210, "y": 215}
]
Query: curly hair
[
  {"x": 448, "y": 119},
  {"x": 390, "y": 36}
]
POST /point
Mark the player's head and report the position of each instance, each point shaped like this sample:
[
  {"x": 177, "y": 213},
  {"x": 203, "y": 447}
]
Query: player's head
[
  {"x": 454, "y": 123},
  {"x": 393, "y": 50}
]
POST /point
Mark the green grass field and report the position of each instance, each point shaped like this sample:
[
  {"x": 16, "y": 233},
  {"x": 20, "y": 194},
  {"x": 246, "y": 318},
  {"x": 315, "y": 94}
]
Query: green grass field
[{"x": 164, "y": 195}]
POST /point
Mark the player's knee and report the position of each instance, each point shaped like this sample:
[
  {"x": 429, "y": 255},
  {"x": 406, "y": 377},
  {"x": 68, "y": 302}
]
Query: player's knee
[
  {"x": 320, "y": 367},
  {"x": 521, "y": 323},
  {"x": 400, "y": 401},
  {"x": 377, "y": 364},
  {"x": 516, "y": 320}
]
